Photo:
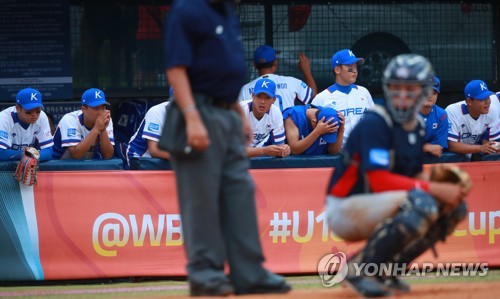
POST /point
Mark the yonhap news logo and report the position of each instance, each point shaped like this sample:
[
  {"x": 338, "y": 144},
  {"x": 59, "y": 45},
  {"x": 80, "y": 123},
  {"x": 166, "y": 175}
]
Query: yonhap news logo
[{"x": 332, "y": 269}]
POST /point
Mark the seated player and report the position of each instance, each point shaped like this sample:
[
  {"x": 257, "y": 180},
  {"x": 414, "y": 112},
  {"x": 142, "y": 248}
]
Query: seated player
[
  {"x": 25, "y": 125},
  {"x": 266, "y": 121},
  {"x": 314, "y": 130},
  {"x": 144, "y": 143},
  {"x": 86, "y": 133}
]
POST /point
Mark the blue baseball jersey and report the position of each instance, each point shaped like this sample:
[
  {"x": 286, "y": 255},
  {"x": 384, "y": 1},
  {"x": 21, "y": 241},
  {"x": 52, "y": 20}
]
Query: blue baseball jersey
[
  {"x": 208, "y": 42},
  {"x": 436, "y": 127},
  {"x": 376, "y": 145},
  {"x": 299, "y": 118}
]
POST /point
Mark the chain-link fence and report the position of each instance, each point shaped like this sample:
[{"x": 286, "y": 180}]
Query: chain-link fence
[{"x": 118, "y": 44}]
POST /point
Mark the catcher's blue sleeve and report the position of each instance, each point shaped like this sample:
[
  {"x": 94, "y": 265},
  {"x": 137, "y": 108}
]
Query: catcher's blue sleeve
[{"x": 10, "y": 154}]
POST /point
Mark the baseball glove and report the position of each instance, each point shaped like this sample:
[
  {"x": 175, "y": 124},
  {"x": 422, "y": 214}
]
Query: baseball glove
[
  {"x": 27, "y": 167},
  {"x": 451, "y": 174}
]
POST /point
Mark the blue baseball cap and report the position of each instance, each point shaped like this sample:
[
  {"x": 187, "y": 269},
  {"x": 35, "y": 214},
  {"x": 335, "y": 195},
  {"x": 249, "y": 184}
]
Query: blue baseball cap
[
  {"x": 436, "y": 84},
  {"x": 329, "y": 113},
  {"x": 264, "y": 54},
  {"x": 94, "y": 97},
  {"x": 345, "y": 57},
  {"x": 266, "y": 86},
  {"x": 29, "y": 98},
  {"x": 477, "y": 89}
]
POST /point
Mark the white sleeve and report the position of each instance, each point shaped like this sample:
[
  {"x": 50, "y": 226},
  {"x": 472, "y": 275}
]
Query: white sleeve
[
  {"x": 453, "y": 128},
  {"x": 319, "y": 100},
  {"x": 304, "y": 92},
  {"x": 70, "y": 130},
  {"x": 246, "y": 92},
  {"x": 109, "y": 130},
  {"x": 44, "y": 136},
  {"x": 5, "y": 127},
  {"x": 153, "y": 124},
  {"x": 495, "y": 125},
  {"x": 369, "y": 98}
]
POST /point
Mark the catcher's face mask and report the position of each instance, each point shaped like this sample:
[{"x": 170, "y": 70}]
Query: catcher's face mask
[{"x": 407, "y": 82}]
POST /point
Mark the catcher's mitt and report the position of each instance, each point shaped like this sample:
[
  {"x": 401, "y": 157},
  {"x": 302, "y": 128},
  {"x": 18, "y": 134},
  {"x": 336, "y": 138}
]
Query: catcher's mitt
[
  {"x": 27, "y": 167},
  {"x": 451, "y": 174}
]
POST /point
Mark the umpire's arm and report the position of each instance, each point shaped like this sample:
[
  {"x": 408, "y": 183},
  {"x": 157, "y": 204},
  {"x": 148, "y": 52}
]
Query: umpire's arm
[{"x": 197, "y": 134}]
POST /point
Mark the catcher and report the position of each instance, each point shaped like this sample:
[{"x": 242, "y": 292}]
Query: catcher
[{"x": 381, "y": 194}]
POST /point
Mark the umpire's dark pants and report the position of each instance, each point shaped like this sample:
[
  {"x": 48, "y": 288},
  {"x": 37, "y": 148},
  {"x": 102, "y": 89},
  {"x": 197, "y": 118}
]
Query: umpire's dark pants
[{"x": 216, "y": 198}]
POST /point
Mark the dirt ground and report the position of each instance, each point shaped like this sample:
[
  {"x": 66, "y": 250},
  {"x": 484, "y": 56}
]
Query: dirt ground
[
  {"x": 428, "y": 289},
  {"x": 462, "y": 290},
  {"x": 469, "y": 290}
]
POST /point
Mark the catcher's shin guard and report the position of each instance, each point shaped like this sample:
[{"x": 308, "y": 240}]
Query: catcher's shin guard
[
  {"x": 443, "y": 227},
  {"x": 412, "y": 221}
]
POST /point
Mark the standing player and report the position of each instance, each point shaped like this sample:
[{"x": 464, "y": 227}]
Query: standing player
[
  {"x": 144, "y": 143},
  {"x": 266, "y": 121},
  {"x": 86, "y": 133},
  {"x": 379, "y": 194},
  {"x": 344, "y": 96},
  {"x": 288, "y": 89},
  {"x": 25, "y": 125},
  {"x": 475, "y": 122},
  {"x": 436, "y": 122}
]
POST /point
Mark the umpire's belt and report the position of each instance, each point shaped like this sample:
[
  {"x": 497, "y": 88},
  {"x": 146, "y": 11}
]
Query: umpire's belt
[{"x": 207, "y": 100}]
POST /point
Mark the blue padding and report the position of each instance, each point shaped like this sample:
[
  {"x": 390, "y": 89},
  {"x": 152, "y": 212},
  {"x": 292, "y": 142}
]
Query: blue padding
[
  {"x": 8, "y": 165},
  {"x": 493, "y": 157},
  {"x": 295, "y": 161},
  {"x": 446, "y": 157},
  {"x": 150, "y": 164},
  {"x": 256, "y": 163},
  {"x": 71, "y": 164}
]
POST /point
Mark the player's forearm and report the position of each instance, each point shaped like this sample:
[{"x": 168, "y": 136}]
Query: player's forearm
[
  {"x": 107, "y": 149},
  {"x": 255, "y": 152},
  {"x": 334, "y": 148},
  {"x": 155, "y": 152},
  {"x": 160, "y": 154},
  {"x": 462, "y": 148},
  {"x": 300, "y": 146},
  {"x": 79, "y": 151}
]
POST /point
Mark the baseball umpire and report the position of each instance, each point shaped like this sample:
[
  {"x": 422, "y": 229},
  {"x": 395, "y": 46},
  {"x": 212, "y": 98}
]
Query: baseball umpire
[
  {"x": 206, "y": 68},
  {"x": 381, "y": 195}
]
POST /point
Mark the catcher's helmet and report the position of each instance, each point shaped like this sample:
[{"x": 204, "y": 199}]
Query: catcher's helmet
[{"x": 407, "y": 69}]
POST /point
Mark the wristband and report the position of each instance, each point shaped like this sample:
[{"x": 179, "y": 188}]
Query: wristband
[{"x": 189, "y": 108}]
